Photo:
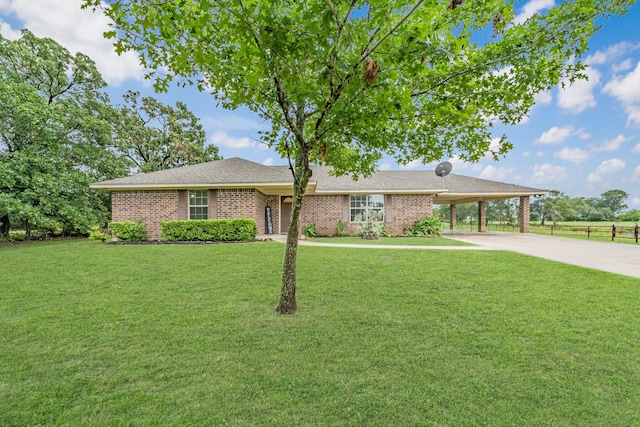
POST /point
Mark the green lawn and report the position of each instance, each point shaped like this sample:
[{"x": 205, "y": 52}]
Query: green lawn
[
  {"x": 404, "y": 241},
  {"x": 149, "y": 335}
]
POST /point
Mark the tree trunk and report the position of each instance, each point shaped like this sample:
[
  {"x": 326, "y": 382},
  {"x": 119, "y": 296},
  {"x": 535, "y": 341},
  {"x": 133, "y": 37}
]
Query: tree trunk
[
  {"x": 4, "y": 227},
  {"x": 287, "y": 304}
]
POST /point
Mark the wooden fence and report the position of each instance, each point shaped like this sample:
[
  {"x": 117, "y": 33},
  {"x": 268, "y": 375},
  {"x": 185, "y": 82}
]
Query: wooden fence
[{"x": 613, "y": 232}]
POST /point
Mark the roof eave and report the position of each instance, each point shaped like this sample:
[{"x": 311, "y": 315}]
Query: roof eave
[{"x": 182, "y": 186}]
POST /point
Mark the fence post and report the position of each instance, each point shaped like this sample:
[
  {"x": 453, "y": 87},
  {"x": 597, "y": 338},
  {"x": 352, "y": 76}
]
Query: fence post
[
  {"x": 635, "y": 233},
  {"x": 588, "y": 232},
  {"x": 552, "y": 229},
  {"x": 613, "y": 232}
]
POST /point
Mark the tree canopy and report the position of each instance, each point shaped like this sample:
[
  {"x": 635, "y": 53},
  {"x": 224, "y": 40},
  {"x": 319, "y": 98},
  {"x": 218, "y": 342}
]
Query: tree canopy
[
  {"x": 54, "y": 134},
  {"x": 344, "y": 82},
  {"x": 59, "y": 133},
  {"x": 155, "y": 136}
]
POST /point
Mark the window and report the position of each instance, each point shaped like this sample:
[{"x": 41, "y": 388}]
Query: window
[
  {"x": 198, "y": 204},
  {"x": 365, "y": 206}
]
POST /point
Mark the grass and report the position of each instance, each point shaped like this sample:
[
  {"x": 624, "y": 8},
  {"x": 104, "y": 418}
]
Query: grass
[
  {"x": 403, "y": 241},
  {"x": 94, "y": 334}
]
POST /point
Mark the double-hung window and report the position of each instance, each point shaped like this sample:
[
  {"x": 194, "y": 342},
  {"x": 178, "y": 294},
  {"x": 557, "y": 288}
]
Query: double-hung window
[
  {"x": 198, "y": 204},
  {"x": 367, "y": 206}
]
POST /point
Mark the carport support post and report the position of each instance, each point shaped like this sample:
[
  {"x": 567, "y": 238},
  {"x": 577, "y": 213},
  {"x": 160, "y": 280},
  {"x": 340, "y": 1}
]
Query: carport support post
[
  {"x": 452, "y": 217},
  {"x": 482, "y": 216},
  {"x": 524, "y": 214}
]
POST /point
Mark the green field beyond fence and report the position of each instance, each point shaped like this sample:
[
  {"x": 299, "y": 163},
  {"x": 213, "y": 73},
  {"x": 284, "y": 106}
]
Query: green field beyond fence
[{"x": 620, "y": 232}]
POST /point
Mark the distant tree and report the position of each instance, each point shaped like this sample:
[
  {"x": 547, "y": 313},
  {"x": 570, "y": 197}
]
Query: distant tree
[
  {"x": 630, "y": 215},
  {"x": 344, "y": 82},
  {"x": 614, "y": 201},
  {"x": 556, "y": 206},
  {"x": 502, "y": 211},
  {"x": 581, "y": 207},
  {"x": 54, "y": 135},
  {"x": 155, "y": 136}
]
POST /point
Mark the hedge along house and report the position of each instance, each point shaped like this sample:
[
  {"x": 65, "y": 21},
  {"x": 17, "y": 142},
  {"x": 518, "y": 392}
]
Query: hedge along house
[{"x": 238, "y": 188}]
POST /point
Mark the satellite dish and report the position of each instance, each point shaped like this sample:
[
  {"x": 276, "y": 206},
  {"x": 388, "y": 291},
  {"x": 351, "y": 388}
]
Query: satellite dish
[{"x": 442, "y": 170}]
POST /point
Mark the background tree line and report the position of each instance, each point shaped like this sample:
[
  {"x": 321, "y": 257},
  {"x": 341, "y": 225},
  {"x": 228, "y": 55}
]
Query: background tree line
[
  {"x": 59, "y": 132},
  {"x": 553, "y": 207}
]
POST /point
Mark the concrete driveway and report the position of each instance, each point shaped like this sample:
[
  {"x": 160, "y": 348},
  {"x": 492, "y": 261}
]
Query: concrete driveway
[{"x": 612, "y": 257}]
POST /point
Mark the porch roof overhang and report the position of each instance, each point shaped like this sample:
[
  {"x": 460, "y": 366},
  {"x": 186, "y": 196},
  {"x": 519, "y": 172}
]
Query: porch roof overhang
[{"x": 459, "y": 198}]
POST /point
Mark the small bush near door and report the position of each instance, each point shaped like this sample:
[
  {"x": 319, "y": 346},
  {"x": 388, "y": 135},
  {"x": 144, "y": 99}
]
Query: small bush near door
[{"x": 212, "y": 230}]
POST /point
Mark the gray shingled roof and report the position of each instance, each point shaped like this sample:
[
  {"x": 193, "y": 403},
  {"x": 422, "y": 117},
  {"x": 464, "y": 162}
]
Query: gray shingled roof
[
  {"x": 220, "y": 172},
  {"x": 240, "y": 172}
]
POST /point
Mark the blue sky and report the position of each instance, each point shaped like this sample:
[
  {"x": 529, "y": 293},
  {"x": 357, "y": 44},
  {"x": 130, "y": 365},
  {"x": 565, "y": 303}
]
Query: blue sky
[{"x": 583, "y": 140}]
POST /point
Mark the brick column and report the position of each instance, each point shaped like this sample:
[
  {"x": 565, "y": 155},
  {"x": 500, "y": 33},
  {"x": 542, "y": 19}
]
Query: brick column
[
  {"x": 524, "y": 214},
  {"x": 452, "y": 221},
  {"x": 482, "y": 216}
]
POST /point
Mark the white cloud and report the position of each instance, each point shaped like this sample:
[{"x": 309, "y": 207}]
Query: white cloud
[
  {"x": 622, "y": 66},
  {"x": 635, "y": 176},
  {"x": 556, "y": 135},
  {"x": 268, "y": 161},
  {"x": 626, "y": 88},
  {"x": 413, "y": 164},
  {"x": 610, "y": 166},
  {"x": 548, "y": 174},
  {"x": 8, "y": 32},
  {"x": 77, "y": 30},
  {"x": 607, "y": 167},
  {"x": 222, "y": 139},
  {"x": 612, "y": 52},
  {"x": 540, "y": 153},
  {"x": 611, "y": 144},
  {"x": 636, "y": 203},
  {"x": 531, "y": 8},
  {"x": 575, "y": 155},
  {"x": 496, "y": 173},
  {"x": 543, "y": 98},
  {"x": 578, "y": 96},
  {"x": 636, "y": 149},
  {"x": 593, "y": 178},
  {"x": 385, "y": 167}
]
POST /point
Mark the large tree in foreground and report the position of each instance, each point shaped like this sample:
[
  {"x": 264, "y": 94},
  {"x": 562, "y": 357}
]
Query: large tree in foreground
[
  {"x": 55, "y": 132},
  {"x": 343, "y": 82}
]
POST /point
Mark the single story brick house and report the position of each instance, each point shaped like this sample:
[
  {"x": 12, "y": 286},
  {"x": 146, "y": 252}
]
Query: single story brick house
[{"x": 239, "y": 188}]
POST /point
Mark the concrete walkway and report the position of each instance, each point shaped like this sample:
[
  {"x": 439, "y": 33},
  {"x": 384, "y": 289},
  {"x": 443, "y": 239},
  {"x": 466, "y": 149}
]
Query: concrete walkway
[{"x": 611, "y": 257}]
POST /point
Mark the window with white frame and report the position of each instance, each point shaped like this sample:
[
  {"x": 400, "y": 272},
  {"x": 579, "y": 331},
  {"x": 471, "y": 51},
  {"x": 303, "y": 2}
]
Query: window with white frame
[
  {"x": 198, "y": 204},
  {"x": 365, "y": 206}
]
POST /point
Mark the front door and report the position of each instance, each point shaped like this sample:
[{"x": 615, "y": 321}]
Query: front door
[{"x": 285, "y": 214}]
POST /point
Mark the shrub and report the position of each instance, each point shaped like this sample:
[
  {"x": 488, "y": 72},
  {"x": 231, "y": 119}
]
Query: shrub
[
  {"x": 596, "y": 216},
  {"x": 128, "y": 231},
  {"x": 17, "y": 235},
  {"x": 214, "y": 230},
  {"x": 341, "y": 228},
  {"x": 96, "y": 234},
  {"x": 371, "y": 229},
  {"x": 310, "y": 230},
  {"x": 425, "y": 226}
]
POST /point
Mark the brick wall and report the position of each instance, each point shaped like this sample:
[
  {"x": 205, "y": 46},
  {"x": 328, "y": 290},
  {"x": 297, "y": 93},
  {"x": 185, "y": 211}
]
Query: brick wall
[
  {"x": 149, "y": 205},
  {"x": 242, "y": 203},
  {"x": 404, "y": 209},
  {"x": 325, "y": 211},
  {"x": 400, "y": 211}
]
